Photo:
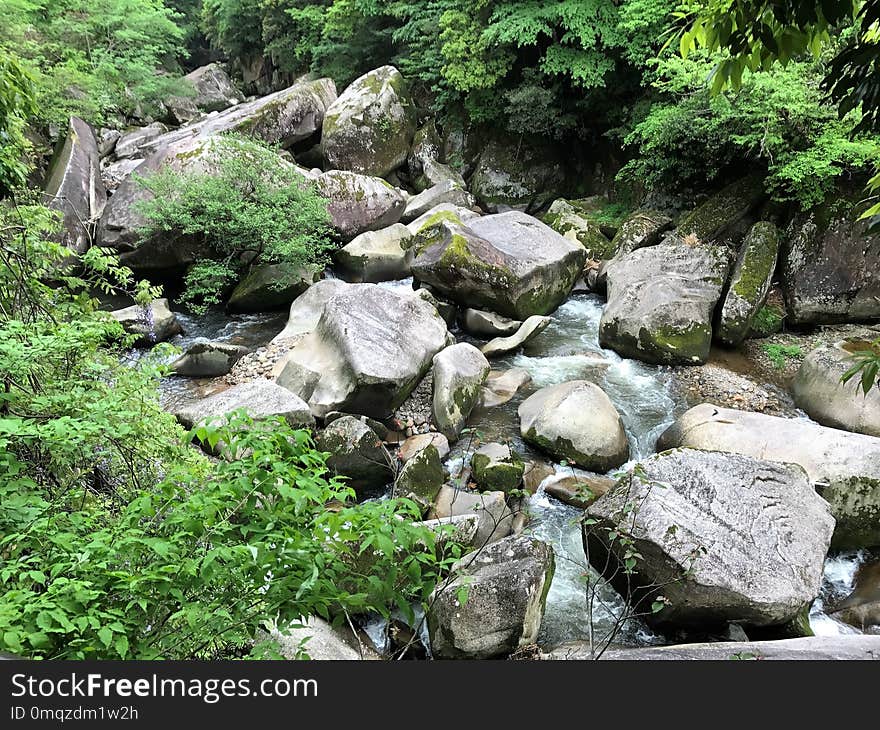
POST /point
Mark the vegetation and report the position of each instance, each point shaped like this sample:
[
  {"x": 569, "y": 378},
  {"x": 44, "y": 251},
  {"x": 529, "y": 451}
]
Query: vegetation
[
  {"x": 779, "y": 354},
  {"x": 251, "y": 208}
]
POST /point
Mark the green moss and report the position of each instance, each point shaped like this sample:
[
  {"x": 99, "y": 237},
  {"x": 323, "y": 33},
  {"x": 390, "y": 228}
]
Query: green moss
[
  {"x": 723, "y": 209},
  {"x": 437, "y": 218},
  {"x": 757, "y": 263},
  {"x": 498, "y": 475}
]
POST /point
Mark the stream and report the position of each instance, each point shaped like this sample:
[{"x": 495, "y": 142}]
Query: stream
[{"x": 644, "y": 395}]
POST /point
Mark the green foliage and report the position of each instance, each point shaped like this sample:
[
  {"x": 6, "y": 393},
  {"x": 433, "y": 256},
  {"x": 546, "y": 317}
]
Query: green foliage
[
  {"x": 865, "y": 367},
  {"x": 251, "y": 207},
  {"x": 16, "y": 105},
  {"x": 94, "y": 58},
  {"x": 768, "y": 320},
  {"x": 779, "y": 354},
  {"x": 119, "y": 540}
]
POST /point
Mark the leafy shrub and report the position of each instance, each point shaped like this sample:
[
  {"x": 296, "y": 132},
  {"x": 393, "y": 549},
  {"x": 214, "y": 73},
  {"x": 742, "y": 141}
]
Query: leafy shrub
[
  {"x": 252, "y": 208},
  {"x": 779, "y": 354},
  {"x": 16, "y": 105}
]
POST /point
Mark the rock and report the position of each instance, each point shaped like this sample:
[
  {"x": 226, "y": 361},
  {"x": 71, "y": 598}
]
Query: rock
[
  {"x": 359, "y": 203},
  {"x": 114, "y": 173},
  {"x": 531, "y": 328},
  {"x": 510, "y": 263},
  {"x": 375, "y": 256},
  {"x": 439, "y": 213},
  {"x": 306, "y": 309},
  {"x": 208, "y": 359},
  {"x": 136, "y": 142},
  {"x": 270, "y": 286},
  {"x": 464, "y": 529},
  {"x": 459, "y": 373},
  {"x": 370, "y": 127},
  {"x": 660, "y": 303},
  {"x": 380, "y": 428},
  {"x": 421, "y": 476},
  {"x": 106, "y": 140},
  {"x": 861, "y": 608},
  {"x": 356, "y": 452},
  {"x": 844, "y": 466},
  {"x": 640, "y": 230},
  {"x": 749, "y": 283},
  {"x": 723, "y": 218},
  {"x": 575, "y": 421},
  {"x": 535, "y": 473},
  {"x": 495, "y": 467},
  {"x": 723, "y": 537},
  {"x": 487, "y": 324},
  {"x": 818, "y": 390},
  {"x": 566, "y": 219},
  {"x": 152, "y": 324},
  {"x": 214, "y": 89},
  {"x": 502, "y": 385},
  {"x": 830, "y": 268},
  {"x": 423, "y": 164},
  {"x": 808, "y": 648},
  {"x": 446, "y": 192},
  {"x": 318, "y": 640},
  {"x": 368, "y": 351},
  {"x": 259, "y": 398},
  {"x": 496, "y": 519},
  {"x": 506, "y": 584},
  {"x": 514, "y": 173},
  {"x": 578, "y": 490},
  {"x": 74, "y": 186},
  {"x": 414, "y": 444}
]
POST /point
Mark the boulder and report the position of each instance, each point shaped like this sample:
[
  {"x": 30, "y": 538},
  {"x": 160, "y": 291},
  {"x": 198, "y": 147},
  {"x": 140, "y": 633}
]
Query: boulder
[
  {"x": 114, "y": 173},
  {"x": 438, "y": 214},
  {"x": 423, "y": 164},
  {"x": 370, "y": 348},
  {"x": 531, "y": 328},
  {"x": 861, "y": 608},
  {"x": 446, "y": 192},
  {"x": 314, "y": 638},
  {"x": 270, "y": 286},
  {"x": 506, "y": 585},
  {"x": 495, "y": 467},
  {"x": 830, "y": 266},
  {"x": 357, "y": 453},
  {"x": 818, "y": 390},
  {"x": 106, "y": 140},
  {"x": 370, "y": 127},
  {"x": 464, "y": 529},
  {"x": 566, "y": 219},
  {"x": 515, "y": 173},
  {"x": 306, "y": 309},
  {"x": 510, "y": 263},
  {"x": 660, "y": 303},
  {"x": 502, "y": 385},
  {"x": 258, "y": 398},
  {"x": 459, "y": 373},
  {"x": 487, "y": 324},
  {"x": 375, "y": 256},
  {"x": 152, "y": 324},
  {"x": 208, "y": 359},
  {"x": 360, "y": 203},
  {"x": 535, "y": 473},
  {"x": 575, "y": 421},
  {"x": 578, "y": 489},
  {"x": 214, "y": 89},
  {"x": 724, "y": 217},
  {"x": 844, "y": 466},
  {"x": 640, "y": 230},
  {"x": 496, "y": 519},
  {"x": 414, "y": 444},
  {"x": 74, "y": 186},
  {"x": 723, "y": 537},
  {"x": 421, "y": 476},
  {"x": 139, "y": 142},
  {"x": 808, "y": 648},
  {"x": 749, "y": 283}
]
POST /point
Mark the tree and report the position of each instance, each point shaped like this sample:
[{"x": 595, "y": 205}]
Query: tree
[{"x": 16, "y": 105}]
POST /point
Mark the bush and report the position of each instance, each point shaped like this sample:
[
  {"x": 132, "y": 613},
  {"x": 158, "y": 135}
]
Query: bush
[{"x": 253, "y": 208}]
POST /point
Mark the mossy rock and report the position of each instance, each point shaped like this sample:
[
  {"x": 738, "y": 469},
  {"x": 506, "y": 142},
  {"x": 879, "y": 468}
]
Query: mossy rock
[
  {"x": 715, "y": 221},
  {"x": 496, "y": 467},
  {"x": 271, "y": 286}
]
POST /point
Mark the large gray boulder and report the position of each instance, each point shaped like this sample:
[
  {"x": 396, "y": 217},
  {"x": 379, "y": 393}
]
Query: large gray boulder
[
  {"x": 723, "y": 537},
  {"x": 357, "y": 453},
  {"x": 425, "y": 169},
  {"x": 749, "y": 283},
  {"x": 208, "y": 359},
  {"x": 845, "y": 467},
  {"x": 153, "y": 323},
  {"x": 528, "y": 330},
  {"x": 506, "y": 585},
  {"x": 74, "y": 186},
  {"x": 370, "y": 348},
  {"x": 829, "y": 269},
  {"x": 575, "y": 421},
  {"x": 566, "y": 218},
  {"x": 724, "y": 217},
  {"x": 258, "y": 398},
  {"x": 660, "y": 302},
  {"x": 818, "y": 390},
  {"x": 640, "y": 230},
  {"x": 510, "y": 263},
  {"x": 306, "y": 309},
  {"x": 370, "y": 127},
  {"x": 375, "y": 256},
  {"x": 446, "y": 192},
  {"x": 459, "y": 372},
  {"x": 421, "y": 477},
  {"x": 214, "y": 90},
  {"x": 139, "y": 142},
  {"x": 359, "y": 203}
]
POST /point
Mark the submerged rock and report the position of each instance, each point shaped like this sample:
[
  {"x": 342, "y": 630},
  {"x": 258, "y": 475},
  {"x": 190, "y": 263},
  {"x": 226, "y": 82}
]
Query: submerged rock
[
  {"x": 506, "y": 584},
  {"x": 208, "y": 359},
  {"x": 575, "y": 421},
  {"x": 152, "y": 324},
  {"x": 357, "y": 453},
  {"x": 723, "y": 537},
  {"x": 845, "y": 467}
]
